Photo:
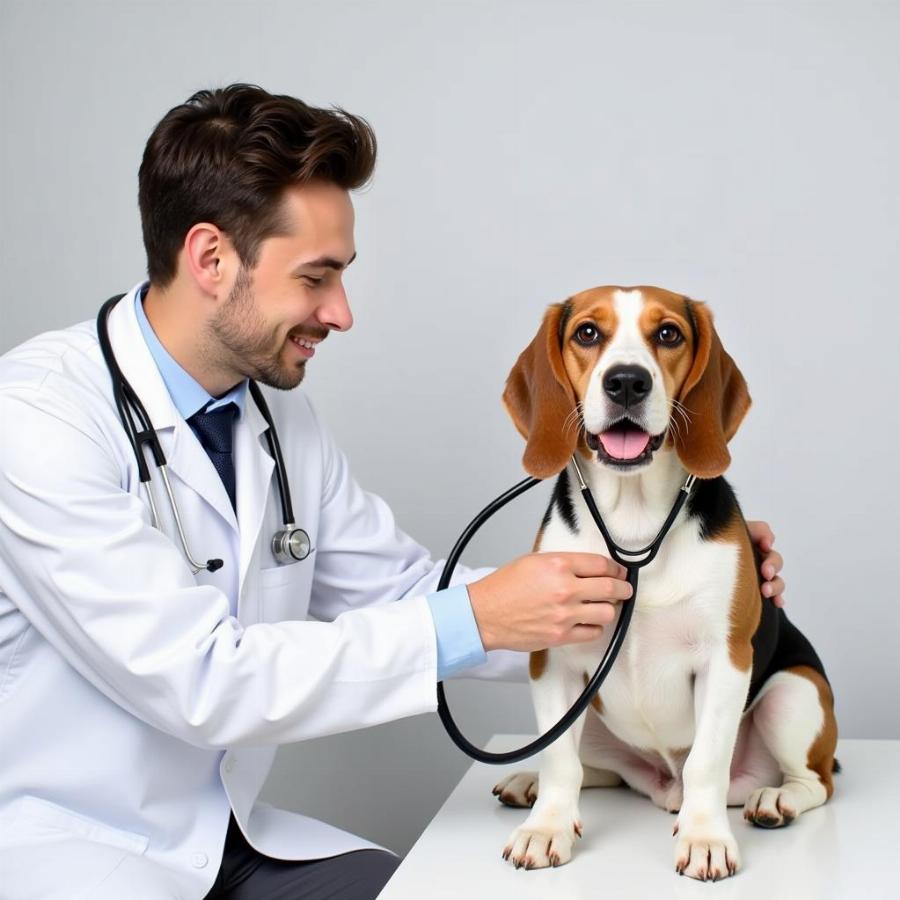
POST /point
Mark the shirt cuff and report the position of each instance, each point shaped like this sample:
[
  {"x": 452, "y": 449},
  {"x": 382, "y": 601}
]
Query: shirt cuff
[{"x": 458, "y": 640}]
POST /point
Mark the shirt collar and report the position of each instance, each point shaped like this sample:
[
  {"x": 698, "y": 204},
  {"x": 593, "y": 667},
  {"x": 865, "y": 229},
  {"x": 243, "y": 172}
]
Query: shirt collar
[{"x": 187, "y": 394}]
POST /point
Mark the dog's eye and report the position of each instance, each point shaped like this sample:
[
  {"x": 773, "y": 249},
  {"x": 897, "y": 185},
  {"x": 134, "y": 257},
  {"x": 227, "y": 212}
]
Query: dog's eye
[
  {"x": 587, "y": 335},
  {"x": 669, "y": 335}
]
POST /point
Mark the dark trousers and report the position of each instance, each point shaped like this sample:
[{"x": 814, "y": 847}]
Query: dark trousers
[{"x": 248, "y": 875}]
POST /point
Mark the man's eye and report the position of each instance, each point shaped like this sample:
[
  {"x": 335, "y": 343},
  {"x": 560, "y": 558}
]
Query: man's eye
[
  {"x": 311, "y": 280},
  {"x": 587, "y": 335},
  {"x": 669, "y": 335}
]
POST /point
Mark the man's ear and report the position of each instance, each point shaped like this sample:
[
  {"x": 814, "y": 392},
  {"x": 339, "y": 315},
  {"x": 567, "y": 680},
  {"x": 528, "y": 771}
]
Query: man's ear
[
  {"x": 714, "y": 397},
  {"x": 540, "y": 400}
]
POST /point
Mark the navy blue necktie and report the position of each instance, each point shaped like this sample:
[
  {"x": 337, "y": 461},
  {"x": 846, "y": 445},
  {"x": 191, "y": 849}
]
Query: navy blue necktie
[{"x": 213, "y": 430}]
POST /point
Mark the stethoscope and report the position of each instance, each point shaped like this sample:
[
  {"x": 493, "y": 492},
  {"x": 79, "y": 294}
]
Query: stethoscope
[
  {"x": 609, "y": 657},
  {"x": 290, "y": 544}
]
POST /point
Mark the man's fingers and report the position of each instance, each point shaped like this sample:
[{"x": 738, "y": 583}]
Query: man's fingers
[
  {"x": 594, "y": 614},
  {"x": 600, "y": 590},
  {"x": 772, "y": 564},
  {"x": 584, "y": 633},
  {"x": 760, "y": 533},
  {"x": 592, "y": 565}
]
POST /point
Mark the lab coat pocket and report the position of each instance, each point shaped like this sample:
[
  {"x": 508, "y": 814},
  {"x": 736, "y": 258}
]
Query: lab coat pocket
[
  {"x": 284, "y": 591},
  {"x": 46, "y": 821}
]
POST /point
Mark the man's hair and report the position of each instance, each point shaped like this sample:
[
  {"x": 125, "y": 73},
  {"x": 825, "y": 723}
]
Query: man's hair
[{"x": 226, "y": 156}]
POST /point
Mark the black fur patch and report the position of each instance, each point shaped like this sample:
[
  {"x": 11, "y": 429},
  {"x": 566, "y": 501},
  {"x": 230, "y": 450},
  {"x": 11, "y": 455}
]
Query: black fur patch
[
  {"x": 562, "y": 500},
  {"x": 714, "y": 503}
]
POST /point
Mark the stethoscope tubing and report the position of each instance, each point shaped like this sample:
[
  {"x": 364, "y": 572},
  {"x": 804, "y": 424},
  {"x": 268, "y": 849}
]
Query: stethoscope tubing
[
  {"x": 289, "y": 545},
  {"x": 618, "y": 637}
]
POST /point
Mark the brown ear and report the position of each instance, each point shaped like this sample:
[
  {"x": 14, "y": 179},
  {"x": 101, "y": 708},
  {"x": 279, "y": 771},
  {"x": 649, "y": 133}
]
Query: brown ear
[
  {"x": 714, "y": 397},
  {"x": 541, "y": 402}
]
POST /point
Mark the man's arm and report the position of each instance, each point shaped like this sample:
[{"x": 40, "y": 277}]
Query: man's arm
[
  {"x": 115, "y": 598},
  {"x": 533, "y": 602}
]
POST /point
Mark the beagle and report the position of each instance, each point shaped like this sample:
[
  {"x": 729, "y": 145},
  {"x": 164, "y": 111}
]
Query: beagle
[{"x": 716, "y": 699}]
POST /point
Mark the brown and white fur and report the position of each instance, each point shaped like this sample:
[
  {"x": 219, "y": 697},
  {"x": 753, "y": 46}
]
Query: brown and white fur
[{"x": 669, "y": 720}]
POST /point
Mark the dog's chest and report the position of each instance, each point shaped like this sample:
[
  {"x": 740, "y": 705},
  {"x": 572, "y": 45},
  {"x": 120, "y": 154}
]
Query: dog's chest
[{"x": 680, "y": 619}]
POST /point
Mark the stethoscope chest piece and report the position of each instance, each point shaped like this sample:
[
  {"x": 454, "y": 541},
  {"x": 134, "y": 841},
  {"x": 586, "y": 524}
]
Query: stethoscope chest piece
[{"x": 291, "y": 545}]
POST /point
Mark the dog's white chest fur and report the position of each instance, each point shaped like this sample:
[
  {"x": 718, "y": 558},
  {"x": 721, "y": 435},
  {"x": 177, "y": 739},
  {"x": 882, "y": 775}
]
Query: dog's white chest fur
[{"x": 681, "y": 617}]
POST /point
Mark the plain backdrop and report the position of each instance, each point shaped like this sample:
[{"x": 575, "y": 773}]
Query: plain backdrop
[{"x": 742, "y": 153}]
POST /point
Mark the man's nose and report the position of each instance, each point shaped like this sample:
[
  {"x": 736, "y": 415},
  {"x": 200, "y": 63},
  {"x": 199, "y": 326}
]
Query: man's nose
[
  {"x": 335, "y": 312},
  {"x": 627, "y": 386}
]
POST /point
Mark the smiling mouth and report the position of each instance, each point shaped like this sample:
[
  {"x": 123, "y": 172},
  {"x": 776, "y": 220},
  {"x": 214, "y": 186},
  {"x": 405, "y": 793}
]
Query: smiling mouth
[{"x": 624, "y": 444}]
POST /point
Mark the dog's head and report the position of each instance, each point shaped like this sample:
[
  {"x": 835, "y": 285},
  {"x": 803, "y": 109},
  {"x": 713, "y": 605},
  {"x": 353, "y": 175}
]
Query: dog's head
[{"x": 621, "y": 372}]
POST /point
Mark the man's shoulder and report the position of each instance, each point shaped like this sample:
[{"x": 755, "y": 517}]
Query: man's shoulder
[
  {"x": 61, "y": 353},
  {"x": 60, "y": 373}
]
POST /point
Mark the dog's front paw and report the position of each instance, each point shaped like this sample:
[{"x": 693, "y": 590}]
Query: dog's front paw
[
  {"x": 542, "y": 841},
  {"x": 706, "y": 853},
  {"x": 519, "y": 789}
]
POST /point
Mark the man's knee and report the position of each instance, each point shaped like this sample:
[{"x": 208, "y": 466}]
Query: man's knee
[{"x": 368, "y": 871}]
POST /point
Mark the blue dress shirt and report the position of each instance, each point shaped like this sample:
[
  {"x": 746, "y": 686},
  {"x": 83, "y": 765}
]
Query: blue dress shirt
[{"x": 458, "y": 641}]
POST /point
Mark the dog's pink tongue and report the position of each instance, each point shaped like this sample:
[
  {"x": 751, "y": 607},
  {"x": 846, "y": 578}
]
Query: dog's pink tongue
[{"x": 622, "y": 444}]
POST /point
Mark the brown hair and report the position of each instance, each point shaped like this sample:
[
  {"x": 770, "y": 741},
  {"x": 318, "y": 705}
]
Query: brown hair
[{"x": 225, "y": 156}]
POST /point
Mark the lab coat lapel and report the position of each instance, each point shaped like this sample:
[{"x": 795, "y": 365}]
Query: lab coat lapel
[
  {"x": 185, "y": 455},
  {"x": 253, "y": 472}
]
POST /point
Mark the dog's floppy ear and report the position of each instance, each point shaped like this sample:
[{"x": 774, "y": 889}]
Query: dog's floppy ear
[
  {"x": 540, "y": 400},
  {"x": 714, "y": 397}
]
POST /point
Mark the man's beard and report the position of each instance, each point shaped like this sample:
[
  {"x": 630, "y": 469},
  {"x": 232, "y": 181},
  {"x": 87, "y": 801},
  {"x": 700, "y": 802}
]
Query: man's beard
[{"x": 239, "y": 328}]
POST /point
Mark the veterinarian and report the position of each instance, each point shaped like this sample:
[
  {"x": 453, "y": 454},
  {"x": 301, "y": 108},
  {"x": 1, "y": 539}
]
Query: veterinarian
[{"x": 152, "y": 658}]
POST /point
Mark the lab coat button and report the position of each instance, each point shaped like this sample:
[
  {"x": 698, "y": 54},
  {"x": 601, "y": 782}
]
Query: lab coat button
[
  {"x": 199, "y": 860},
  {"x": 229, "y": 764}
]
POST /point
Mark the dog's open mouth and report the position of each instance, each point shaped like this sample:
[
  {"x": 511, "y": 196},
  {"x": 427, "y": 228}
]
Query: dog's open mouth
[{"x": 624, "y": 444}]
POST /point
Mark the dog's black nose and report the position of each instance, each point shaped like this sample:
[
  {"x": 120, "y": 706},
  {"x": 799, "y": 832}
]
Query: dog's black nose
[{"x": 627, "y": 386}]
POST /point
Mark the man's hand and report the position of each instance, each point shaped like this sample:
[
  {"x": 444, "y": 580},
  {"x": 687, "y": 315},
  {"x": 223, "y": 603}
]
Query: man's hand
[
  {"x": 773, "y": 586},
  {"x": 547, "y": 599}
]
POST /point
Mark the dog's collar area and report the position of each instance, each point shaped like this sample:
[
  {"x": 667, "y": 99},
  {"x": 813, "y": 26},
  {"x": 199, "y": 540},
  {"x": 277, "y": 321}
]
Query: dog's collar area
[
  {"x": 686, "y": 487},
  {"x": 615, "y": 551}
]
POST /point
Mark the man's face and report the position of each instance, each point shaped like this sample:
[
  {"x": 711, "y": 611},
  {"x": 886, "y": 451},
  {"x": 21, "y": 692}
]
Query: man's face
[{"x": 294, "y": 295}]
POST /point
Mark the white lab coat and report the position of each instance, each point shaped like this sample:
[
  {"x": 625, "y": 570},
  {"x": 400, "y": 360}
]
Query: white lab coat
[{"x": 138, "y": 702}]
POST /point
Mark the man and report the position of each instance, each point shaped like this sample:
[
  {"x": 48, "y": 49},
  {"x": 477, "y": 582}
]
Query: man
[{"x": 141, "y": 700}]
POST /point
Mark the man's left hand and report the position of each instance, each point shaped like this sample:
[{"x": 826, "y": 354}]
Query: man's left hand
[{"x": 773, "y": 585}]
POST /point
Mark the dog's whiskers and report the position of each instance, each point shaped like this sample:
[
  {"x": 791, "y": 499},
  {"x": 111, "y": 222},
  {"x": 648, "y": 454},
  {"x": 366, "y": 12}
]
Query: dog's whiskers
[
  {"x": 575, "y": 417},
  {"x": 675, "y": 406}
]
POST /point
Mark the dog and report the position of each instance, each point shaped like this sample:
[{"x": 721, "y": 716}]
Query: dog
[{"x": 715, "y": 699}]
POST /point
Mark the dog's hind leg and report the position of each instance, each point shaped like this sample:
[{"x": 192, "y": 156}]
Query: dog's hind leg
[
  {"x": 521, "y": 788},
  {"x": 794, "y": 717}
]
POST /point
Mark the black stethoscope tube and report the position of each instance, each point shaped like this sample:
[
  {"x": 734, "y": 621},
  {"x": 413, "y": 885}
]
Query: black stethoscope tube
[
  {"x": 284, "y": 491},
  {"x": 618, "y": 636},
  {"x": 288, "y": 545}
]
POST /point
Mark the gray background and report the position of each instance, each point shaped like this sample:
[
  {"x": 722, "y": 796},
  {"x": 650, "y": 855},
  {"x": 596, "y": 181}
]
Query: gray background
[{"x": 745, "y": 154}]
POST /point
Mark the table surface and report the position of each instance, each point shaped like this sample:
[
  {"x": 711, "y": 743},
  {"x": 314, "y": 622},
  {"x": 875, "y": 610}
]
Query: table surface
[{"x": 848, "y": 848}]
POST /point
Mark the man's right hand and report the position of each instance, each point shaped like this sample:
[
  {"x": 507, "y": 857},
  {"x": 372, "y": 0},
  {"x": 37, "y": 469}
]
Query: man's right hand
[{"x": 547, "y": 599}]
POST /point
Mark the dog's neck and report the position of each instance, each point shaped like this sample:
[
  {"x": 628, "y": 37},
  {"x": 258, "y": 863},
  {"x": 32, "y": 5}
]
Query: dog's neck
[{"x": 634, "y": 507}]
